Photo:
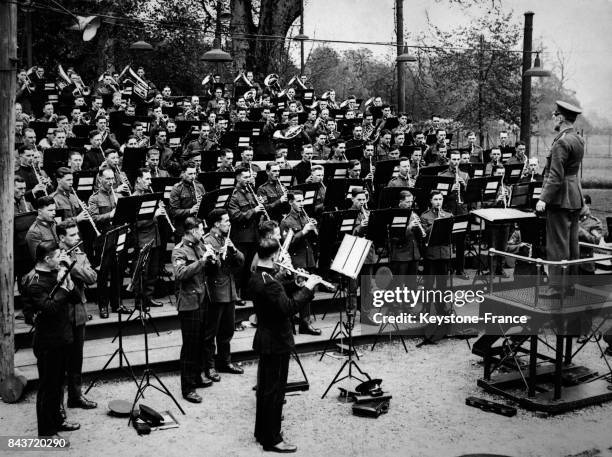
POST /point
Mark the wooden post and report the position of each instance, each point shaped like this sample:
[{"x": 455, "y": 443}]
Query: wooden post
[{"x": 8, "y": 60}]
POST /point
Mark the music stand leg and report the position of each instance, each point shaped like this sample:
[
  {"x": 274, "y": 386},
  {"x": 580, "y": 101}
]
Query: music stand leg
[
  {"x": 122, "y": 356},
  {"x": 299, "y": 362}
]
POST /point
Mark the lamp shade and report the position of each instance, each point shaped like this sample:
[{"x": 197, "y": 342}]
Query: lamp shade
[
  {"x": 141, "y": 46},
  {"x": 537, "y": 70},
  {"x": 301, "y": 37},
  {"x": 405, "y": 56}
]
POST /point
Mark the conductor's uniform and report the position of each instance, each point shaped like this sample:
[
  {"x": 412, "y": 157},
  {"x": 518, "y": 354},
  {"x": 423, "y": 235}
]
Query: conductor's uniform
[{"x": 562, "y": 194}]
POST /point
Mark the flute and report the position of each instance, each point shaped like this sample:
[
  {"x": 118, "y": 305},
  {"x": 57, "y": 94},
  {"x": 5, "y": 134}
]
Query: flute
[{"x": 324, "y": 283}]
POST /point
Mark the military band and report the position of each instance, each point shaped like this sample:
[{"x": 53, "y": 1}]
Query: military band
[{"x": 213, "y": 261}]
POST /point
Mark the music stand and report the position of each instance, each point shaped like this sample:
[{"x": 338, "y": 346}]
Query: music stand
[
  {"x": 131, "y": 210},
  {"x": 83, "y": 184},
  {"x": 513, "y": 172},
  {"x": 481, "y": 189},
  {"x": 55, "y": 158},
  {"x": 213, "y": 180},
  {"x": 164, "y": 186},
  {"x": 339, "y": 191},
  {"x": 521, "y": 195},
  {"x": 348, "y": 263},
  {"x": 133, "y": 159},
  {"x": 137, "y": 286},
  {"x": 212, "y": 200},
  {"x": 335, "y": 170},
  {"x": 385, "y": 170},
  {"x": 114, "y": 245}
]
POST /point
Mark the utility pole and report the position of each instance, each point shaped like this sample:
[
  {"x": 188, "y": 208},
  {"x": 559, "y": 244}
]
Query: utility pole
[
  {"x": 401, "y": 69},
  {"x": 526, "y": 83},
  {"x": 302, "y": 41},
  {"x": 480, "y": 90},
  {"x": 8, "y": 61}
]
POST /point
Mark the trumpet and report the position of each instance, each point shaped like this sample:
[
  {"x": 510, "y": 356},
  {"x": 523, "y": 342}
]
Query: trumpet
[
  {"x": 85, "y": 210},
  {"x": 324, "y": 283},
  {"x": 162, "y": 206}
]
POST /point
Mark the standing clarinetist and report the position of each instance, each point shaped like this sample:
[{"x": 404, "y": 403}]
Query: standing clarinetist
[
  {"x": 405, "y": 253},
  {"x": 185, "y": 198},
  {"x": 301, "y": 247},
  {"x": 220, "y": 316},
  {"x": 454, "y": 203}
]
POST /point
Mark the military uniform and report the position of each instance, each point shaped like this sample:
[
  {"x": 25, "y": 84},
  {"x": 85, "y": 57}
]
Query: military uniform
[
  {"x": 399, "y": 181},
  {"x": 52, "y": 338},
  {"x": 476, "y": 154},
  {"x": 101, "y": 204},
  {"x": 274, "y": 305},
  {"x": 93, "y": 159},
  {"x": 198, "y": 147},
  {"x": 224, "y": 169},
  {"x": 147, "y": 231},
  {"x": 182, "y": 198},
  {"x": 248, "y": 166},
  {"x": 562, "y": 193},
  {"x": 66, "y": 205},
  {"x": 82, "y": 275},
  {"x": 272, "y": 191},
  {"x": 220, "y": 315},
  {"x": 452, "y": 205},
  {"x": 39, "y": 232},
  {"x": 436, "y": 258},
  {"x": 22, "y": 206},
  {"x": 320, "y": 152},
  {"x": 188, "y": 261},
  {"x": 245, "y": 223},
  {"x": 405, "y": 253}
]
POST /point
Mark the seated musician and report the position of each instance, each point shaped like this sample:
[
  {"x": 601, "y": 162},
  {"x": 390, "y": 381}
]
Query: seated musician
[
  {"x": 280, "y": 159},
  {"x": 475, "y": 151},
  {"x": 301, "y": 248},
  {"x": 531, "y": 172},
  {"x": 304, "y": 166},
  {"x": 226, "y": 160},
  {"x": 320, "y": 149},
  {"x": 405, "y": 253},
  {"x": 338, "y": 152},
  {"x": 384, "y": 145},
  {"x": 66, "y": 202},
  {"x": 403, "y": 178},
  {"x": 368, "y": 161},
  {"x": 519, "y": 155},
  {"x": 247, "y": 161},
  {"x": 494, "y": 163},
  {"x": 153, "y": 164},
  {"x": 316, "y": 176},
  {"x": 354, "y": 169},
  {"x": 465, "y": 158},
  {"x": 437, "y": 258}
]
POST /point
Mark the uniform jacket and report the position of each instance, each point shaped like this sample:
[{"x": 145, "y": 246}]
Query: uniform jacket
[
  {"x": 435, "y": 252},
  {"x": 405, "y": 246},
  {"x": 300, "y": 249},
  {"x": 93, "y": 159},
  {"x": 361, "y": 231},
  {"x": 66, "y": 205},
  {"x": 220, "y": 276},
  {"x": 39, "y": 232},
  {"x": 271, "y": 193},
  {"x": 82, "y": 275},
  {"x": 302, "y": 171},
  {"x": 188, "y": 262},
  {"x": 147, "y": 230},
  {"x": 561, "y": 181},
  {"x": 245, "y": 220},
  {"x": 182, "y": 199},
  {"x": 22, "y": 206},
  {"x": 52, "y": 324},
  {"x": 275, "y": 304},
  {"x": 398, "y": 181},
  {"x": 451, "y": 200},
  {"x": 101, "y": 203}
]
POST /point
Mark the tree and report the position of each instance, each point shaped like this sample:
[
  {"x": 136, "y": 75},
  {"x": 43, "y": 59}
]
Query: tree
[{"x": 468, "y": 74}]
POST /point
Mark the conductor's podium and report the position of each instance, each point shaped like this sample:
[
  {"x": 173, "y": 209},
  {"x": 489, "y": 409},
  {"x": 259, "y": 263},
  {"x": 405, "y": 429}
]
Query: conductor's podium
[{"x": 549, "y": 381}]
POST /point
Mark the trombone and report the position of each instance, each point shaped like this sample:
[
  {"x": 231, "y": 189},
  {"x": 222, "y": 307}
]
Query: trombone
[{"x": 85, "y": 210}]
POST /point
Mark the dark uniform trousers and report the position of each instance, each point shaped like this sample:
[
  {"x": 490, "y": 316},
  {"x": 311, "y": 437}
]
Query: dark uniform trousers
[
  {"x": 192, "y": 350},
  {"x": 51, "y": 363},
  {"x": 192, "y": 306},
  {"x": 221, "y": 312},
  {"x": 74, "y": 364},
  {"x": 436, "y": 263},
  {"x": 563, "y": 196},
  {"x": 245, "y": 222},
  {"x": 272, "y": 373}
]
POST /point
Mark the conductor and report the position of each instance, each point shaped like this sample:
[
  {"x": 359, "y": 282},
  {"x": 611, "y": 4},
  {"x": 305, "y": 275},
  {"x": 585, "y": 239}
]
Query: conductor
[{"x": 561, "y": 196}]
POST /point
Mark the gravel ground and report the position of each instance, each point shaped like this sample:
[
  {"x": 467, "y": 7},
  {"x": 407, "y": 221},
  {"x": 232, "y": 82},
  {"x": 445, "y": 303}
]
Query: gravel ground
[{"x": 427, "y": 416}]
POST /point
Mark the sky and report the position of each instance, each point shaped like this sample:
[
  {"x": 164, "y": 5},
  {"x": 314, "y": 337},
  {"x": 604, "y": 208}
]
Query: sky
[{"x": 581, "y": 29}]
